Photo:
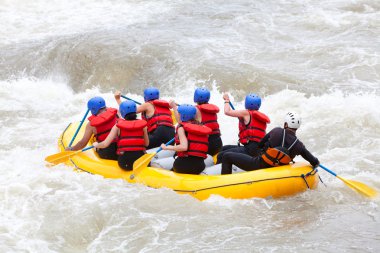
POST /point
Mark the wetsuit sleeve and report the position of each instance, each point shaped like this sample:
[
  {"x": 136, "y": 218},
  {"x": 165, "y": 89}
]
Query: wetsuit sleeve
[{"x": 309, "y": 157}]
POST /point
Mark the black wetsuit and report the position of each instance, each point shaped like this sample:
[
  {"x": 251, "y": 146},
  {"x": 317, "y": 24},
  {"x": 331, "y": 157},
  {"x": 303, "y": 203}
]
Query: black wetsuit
[
  {"x": 215, "y": 144},
  {"x": 108, "y": 152},
  {"x": 272, "y": 139},
  {"x": 251, "y": 149},
  {"x": 161, "y": 134}
]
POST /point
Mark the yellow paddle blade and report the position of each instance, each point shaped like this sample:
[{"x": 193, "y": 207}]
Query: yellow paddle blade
[
  {"x": 141, "y": 163},
  {"x": 215, "y": 158},
  {"x": 173, "y": 118},
  {"x": 359, "y": 187},
  {"x": 61, "y": 157}
]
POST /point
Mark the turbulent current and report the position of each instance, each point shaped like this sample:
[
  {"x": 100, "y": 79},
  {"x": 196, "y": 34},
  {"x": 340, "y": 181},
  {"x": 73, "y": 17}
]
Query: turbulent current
[{"x": 318, "y": 58}]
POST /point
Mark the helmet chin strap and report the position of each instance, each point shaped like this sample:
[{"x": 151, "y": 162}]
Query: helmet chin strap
[{"x": 291, "y": 129}]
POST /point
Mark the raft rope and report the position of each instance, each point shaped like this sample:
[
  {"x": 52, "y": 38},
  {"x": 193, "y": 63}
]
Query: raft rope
[
  {"x": 320, "y": 179},
  {"x": 303, "y": 176}
]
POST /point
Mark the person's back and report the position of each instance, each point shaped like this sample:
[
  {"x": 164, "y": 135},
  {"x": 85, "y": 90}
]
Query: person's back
[
  {"x": 131, "y": 134},
  {"x": 100, "y": 124},
  {"x": 285, "y": 138},
  {"x": 191, "y": 142},
  {"x": 252, "y": 126},
  {"x": 158, "y": 116},
  {"x": 279, "y": 146},
  {"x": 209, "y": 118}
]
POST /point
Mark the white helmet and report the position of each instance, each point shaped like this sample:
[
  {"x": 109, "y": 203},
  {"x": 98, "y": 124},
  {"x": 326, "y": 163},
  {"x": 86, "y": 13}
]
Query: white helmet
[{"x": 293, "y": 120}]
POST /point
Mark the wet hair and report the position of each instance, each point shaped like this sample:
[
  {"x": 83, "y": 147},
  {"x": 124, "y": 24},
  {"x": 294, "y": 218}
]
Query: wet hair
[{"x": 130, "y": 116}]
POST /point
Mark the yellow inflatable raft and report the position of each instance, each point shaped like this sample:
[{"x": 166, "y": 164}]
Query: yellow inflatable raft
[{"x": 274, "y": 182}]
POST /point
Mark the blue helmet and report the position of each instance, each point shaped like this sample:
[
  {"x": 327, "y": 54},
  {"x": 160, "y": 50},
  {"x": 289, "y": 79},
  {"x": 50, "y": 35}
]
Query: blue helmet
[
  {"x": 151, "y": 94},
  {"x": 201, "y": 95},
  {"x": 95, "y": 104},
  {"x": 252, "y": 102},
  {"x": 187, "y": 112},
  {"x": 127, "y": 107}
]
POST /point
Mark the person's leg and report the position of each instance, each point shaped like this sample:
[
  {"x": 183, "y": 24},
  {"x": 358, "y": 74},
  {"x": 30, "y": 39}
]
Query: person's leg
[
  {"x": 228, "y": 149},
  {"x": 252, "y": 149},
  {"x": 243, "y": 161}
]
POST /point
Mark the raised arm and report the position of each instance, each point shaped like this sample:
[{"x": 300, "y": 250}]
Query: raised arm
[
  {"x": 174, "y": 106},
  {"x": 233, "y": 113},
  {"x": 117, "y": 97}
]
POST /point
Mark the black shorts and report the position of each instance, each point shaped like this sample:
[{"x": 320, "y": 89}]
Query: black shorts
[
  {"x": 215, "y": 144},
  {"x": 109, "y": 152},
  {"x": 189, "y": 165},
  {"x": 162, "y": 134},
  {"x": 127, "y": 159}
]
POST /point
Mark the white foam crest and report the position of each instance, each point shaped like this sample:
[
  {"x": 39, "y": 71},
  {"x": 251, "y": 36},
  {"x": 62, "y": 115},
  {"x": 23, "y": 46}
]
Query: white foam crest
[
  {"x": 56, "y": 208},
  {"x": 26, "y": 20}
]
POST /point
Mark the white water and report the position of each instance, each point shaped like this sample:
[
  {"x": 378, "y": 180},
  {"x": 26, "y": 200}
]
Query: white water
[{"x": 55, "y": 55}]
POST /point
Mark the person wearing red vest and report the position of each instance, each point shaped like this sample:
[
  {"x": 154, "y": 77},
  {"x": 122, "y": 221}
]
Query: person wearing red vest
[
  {"x": 252, "y": 126},
  {"x": 191, "y": 142},
  {"x": 207, "y": 115},
  {"x": 131, "y": 134},
  {"x": 279, "y": 147},
  {"x": 100, "y": 124},
  {"x": 158, "y": 116}
]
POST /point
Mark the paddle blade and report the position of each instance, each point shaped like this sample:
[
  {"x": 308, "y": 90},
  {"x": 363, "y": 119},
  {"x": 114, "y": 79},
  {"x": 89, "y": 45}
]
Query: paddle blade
[
  {"x": 360, "y": 187},
  {"x": 60, "y": 157},
  {"x": 215, "y": 158},
  {"x": 173, "y": 118},
  {"x": 141, "y": 163}
]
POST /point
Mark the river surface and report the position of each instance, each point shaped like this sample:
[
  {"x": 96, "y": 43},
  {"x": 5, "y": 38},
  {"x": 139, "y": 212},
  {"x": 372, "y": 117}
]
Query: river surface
[{"x": 318, "y": 58}]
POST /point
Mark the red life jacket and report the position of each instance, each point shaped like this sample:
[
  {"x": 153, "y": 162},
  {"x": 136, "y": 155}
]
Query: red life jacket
[
  {"x": 103, "y": 123},
  {"x": 162, "y": 115},
  {"x": 131, "y": 136},
  {"x": 209, "y": 117},
  {"x": 255, "y": 130},
  {"x": 197, "y": 138}
]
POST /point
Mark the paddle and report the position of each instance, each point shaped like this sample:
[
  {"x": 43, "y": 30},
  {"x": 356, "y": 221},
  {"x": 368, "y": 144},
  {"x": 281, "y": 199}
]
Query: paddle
[
  {"x": 173, "y": 117},
  {"x": 143, "y": 161},
  {"x": 63, "y": 156},
  {"x": 232, "y": 106},
  {"x": 80, "y": 125},
  {"x": 357, "y": 186},
  {"x": 215, "y": 157},
  {"x": 130, "y": 99}
]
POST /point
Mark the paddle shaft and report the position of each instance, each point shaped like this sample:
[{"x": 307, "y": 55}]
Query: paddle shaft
[
  {"x": 131, "y": 99},
  {"x": 80, "y": 125},
  {"x": 329, "y": 171},
  {"x": 358, "y": 186},
  {"x": 90, "y": 147},
  {"x": 232, "y": 106},
  {"x": 145, "y": 160}
]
